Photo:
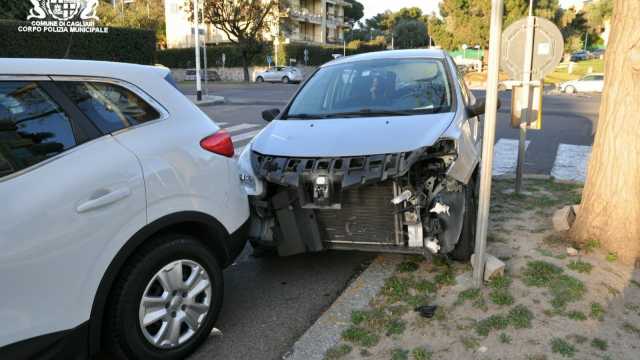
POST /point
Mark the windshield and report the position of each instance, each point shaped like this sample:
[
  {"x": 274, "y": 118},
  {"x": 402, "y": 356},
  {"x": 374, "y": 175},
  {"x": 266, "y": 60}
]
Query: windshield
[{"x": 375, "y": 87}]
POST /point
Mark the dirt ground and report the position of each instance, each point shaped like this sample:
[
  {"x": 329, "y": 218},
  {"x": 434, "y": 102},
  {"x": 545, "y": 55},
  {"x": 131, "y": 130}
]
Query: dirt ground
[{"x": 547, "y": 306}]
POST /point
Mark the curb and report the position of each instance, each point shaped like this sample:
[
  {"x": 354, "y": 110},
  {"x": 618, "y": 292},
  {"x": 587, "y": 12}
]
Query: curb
[
  {"x": 207, "y": 100},
  {"x": 326, "y": 331}
]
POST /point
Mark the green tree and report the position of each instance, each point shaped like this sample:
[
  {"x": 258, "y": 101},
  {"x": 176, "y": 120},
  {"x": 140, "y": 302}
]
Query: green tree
[
  {"x": 378, "y": 22},
  {"x": 597, "y": 13},
  {"x": 141, "y": 14},
  {"x": 410, "y": 33},
  {"x": 355, "y": 12}
]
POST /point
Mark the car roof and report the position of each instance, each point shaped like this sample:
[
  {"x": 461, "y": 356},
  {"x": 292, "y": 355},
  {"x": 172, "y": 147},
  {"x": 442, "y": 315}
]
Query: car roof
[
  {"x": 390, "y": 54},
  {"x": 126, "y": 71}
]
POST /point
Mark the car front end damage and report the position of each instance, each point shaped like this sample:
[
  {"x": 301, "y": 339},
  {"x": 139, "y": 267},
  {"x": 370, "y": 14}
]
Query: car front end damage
[{"x": 405, "y": 202}]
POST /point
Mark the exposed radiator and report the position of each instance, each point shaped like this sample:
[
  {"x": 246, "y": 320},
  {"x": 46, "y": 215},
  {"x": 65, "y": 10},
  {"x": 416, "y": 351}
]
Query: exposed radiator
[{"x": 367, "y": 217}]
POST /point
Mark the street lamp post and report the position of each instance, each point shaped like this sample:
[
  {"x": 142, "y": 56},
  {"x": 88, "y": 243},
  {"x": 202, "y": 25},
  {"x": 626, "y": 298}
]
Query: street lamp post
[{"x": 196, "y": 19}]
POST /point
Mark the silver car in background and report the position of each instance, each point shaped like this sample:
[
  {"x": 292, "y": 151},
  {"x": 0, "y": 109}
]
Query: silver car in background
[
  {"x": 375, "y": 152},
  {"x": 283, "y": 74}
]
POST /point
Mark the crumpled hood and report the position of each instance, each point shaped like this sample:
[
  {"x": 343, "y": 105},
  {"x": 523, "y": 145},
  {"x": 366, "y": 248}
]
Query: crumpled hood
[{"x": 350, "y": 136}]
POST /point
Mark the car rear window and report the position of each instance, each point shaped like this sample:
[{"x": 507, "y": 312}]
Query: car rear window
[{"x": 111, "y": 107}]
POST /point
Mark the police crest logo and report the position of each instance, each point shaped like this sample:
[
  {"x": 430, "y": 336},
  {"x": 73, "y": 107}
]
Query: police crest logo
[{"x": 63, "y": 16}]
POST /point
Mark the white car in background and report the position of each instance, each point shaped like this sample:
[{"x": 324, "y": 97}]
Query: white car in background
[
  {"x": 283, "y": 74},
  {"x": 121, "y": 205},
  {"x": 588, "y": 83}
]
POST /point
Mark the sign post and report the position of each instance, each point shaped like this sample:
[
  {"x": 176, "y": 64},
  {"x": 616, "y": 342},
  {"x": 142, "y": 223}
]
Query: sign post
[
  {"x": 489, "y": 135},
  {"x": 196, "y": 19}
]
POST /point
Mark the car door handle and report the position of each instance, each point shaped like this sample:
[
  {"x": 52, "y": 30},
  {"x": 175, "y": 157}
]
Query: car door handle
[{"x": 104, "y": 199}]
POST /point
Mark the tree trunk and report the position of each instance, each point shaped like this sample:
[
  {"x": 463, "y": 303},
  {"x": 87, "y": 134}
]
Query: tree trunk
[
  {"x": 610, "y": 209},
  {"x": 245, "y": 65}
]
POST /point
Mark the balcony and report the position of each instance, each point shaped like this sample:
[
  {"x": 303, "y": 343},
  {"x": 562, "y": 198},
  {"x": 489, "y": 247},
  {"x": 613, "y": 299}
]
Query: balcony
[{"x": 303, "y": 14}]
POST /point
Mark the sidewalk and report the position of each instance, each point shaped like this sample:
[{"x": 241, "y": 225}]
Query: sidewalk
[{"x": 207, "y": 100}]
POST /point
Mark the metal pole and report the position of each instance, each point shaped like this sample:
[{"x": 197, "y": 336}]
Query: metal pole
[
  {"x": 206, "y": 68},
  {"x": 586, "y": 40},
  {"x": 196, "y": 20},
  {"x": 392, "y": 44},
  {"x": 344, "y": 46},
  {"x": 526, "y": 92},
  {"x": 488, "y": 137}
]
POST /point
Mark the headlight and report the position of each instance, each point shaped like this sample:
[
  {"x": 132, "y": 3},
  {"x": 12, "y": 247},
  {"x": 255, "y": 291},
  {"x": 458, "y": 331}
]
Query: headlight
[{"x": 250, "y": 182}]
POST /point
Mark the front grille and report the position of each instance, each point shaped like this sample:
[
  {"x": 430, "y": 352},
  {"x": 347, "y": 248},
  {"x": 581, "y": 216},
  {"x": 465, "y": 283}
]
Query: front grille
[{"x": 367, "y": 216}]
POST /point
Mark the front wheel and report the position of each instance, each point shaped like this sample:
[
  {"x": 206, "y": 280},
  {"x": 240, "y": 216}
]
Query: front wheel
[
  {"x": 259, "y": 79},
  {"x": 285, "y": 80},
  {"x": 570, "y": 90},
  {"x": 467, "y": 241},
  {"x": 166, "y": 300}
]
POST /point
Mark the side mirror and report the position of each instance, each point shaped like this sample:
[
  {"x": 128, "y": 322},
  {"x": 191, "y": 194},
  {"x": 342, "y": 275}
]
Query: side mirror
[
  {"x": 478, "y": 107},
  {"x": 270, "y": 114}
]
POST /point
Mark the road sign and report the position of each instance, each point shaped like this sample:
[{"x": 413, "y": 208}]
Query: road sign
[
  {"x": 517, "y": 105},
  {"x": 548, "y": 46}
]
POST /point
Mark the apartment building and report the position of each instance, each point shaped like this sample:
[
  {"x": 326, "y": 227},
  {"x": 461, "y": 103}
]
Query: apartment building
[{"x": 307, "y": 21}]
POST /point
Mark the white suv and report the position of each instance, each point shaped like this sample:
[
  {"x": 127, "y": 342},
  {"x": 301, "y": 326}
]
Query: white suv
[{"x": 121, "y": 205}]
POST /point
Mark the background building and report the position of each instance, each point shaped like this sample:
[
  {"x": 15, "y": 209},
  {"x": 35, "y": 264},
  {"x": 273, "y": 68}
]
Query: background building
[{"x": 309, "y": 21}]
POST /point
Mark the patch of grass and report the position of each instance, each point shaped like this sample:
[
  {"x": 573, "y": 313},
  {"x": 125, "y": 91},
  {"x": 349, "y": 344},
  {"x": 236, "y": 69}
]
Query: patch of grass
[
  {"x": 469, "y": 342},
  {"x": 580, "y": 266},
  {"x": 479, "y": 303},
  {"x": 630, "y": 328},
  {"x": 613, "y": 291},
  {"x": 566, "y": 289},
  {"x": 577, "y": 315},
  {"x": 421, "y": 353},
  {"x": 493, "y": 322},
  {"x": 398, "y": 310},
  {"x": 636, "y": 283},
  {"x": 399, "y": 354},
  {"x": 360, "y": 336},
  {"x": 578, "y": 339},
  {"x": 440, "y": 314},
  {"x": 562, "y": 347},
  {"x": 599, "y": 344},
  {"x": 445, "y": 277},
  {"x": 407, "y": 266},
  {"x": 426, "y": 286},
  {"x": 505, "y": 338},
  {"x": 469, "y": 294},
  {"x": 597, "y": 311},
  {"x": 633, "y": 307},
  {"x": 395, "y": 327},
  {"x": 612, "y": 256},
  {"x": 338, "y": 352},
  {"x": 539, "y": 273},
  {"x": 500, "y": 282},
  {"x": 520, "y": 317},
  {"x": 358, "y": 316},
  {"x": 397, "y": 288},
  {"x": 374, "y": 319},
  {"x": 591, "y": 245},
  {"x": 501, "y": 297}
]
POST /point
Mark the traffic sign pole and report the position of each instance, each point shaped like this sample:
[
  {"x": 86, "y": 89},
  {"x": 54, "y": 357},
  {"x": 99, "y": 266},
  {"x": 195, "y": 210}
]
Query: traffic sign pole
[
  {"x": 197, "y": 46},
  {"x": 488, "y": 138},
  {"x": 526, "y": 97}
]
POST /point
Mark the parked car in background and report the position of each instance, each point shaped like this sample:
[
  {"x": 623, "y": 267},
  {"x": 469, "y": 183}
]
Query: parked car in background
[
  {"x": 283, "y": 74},
  {"x": 121, "y": 206},
  {"x": 580, "y": 55},
  {"x": 376, "y": 152},
  {"x": 598, "y": 53},
  {"x": 588, "y": 83}
]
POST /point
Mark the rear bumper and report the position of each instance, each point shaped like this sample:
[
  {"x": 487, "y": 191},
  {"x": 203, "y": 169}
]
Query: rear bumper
[{"x": 237, "y": 240}]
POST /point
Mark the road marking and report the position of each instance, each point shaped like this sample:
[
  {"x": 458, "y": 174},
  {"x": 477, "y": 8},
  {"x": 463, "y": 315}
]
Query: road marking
[
  {"x": 571, "y": 162},
  {"x": 241, "y": 127},
  {"x": 244, "y": 136},
  {"x": 505, "y": 156}
]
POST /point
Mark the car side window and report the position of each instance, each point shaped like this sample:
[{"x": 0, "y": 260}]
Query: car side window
[
  {"x": 33, "y": 127},
  {"x": 111, "y": 107}
]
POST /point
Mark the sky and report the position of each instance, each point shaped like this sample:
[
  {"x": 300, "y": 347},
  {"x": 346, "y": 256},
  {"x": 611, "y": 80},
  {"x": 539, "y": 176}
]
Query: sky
[{"x": 373, "y": 7}]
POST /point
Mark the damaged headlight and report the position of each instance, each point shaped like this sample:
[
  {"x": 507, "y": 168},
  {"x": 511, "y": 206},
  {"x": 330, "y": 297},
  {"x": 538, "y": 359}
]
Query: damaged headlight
[{"x": 250, "y": 182}]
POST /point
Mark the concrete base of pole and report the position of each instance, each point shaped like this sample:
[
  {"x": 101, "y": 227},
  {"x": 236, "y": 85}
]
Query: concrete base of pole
[
  {"x": 199, "y": 95},
  {"x": 493, "y": 266}
]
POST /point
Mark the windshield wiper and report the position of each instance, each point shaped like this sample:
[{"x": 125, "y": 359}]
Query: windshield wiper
[
  {"x": 305, "y": 116},
  {"x": 375, "y": 112}
]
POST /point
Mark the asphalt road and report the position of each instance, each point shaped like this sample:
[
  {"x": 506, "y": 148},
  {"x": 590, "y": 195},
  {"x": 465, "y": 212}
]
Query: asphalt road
[{"x": 270, "y": 302}]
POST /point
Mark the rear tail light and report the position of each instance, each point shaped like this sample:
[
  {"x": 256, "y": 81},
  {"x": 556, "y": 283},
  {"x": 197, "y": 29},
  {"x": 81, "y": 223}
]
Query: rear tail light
[{"x": 219, "y": 143}]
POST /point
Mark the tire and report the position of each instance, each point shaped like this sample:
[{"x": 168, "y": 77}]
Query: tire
[
  {"x": 285, "y": 80},
  {"x": 125, "y": 335},
  {"x": 467, "y": 241},
  {"x": 259, "y": 79},
  {"x": 570, "y": 90}
]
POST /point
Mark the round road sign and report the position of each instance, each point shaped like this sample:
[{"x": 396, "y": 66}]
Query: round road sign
[{"x": 548, "y": 46}]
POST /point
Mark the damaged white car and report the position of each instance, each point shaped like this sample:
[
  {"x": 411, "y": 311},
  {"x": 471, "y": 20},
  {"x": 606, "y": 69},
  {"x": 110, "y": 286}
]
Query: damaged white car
[{"x": 375, "y": 152}]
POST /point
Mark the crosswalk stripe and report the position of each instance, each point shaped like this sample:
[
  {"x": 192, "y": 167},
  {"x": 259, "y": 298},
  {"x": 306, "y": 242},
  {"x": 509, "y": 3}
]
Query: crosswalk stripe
[
  {"x": 241, "y": 127},
  {"x": 505, "y": 156},
  {"x": 244, "y": 136},
  {"x": 571, "y": 162}
]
